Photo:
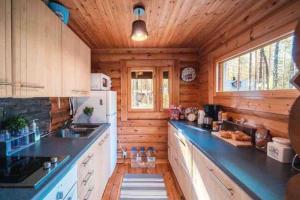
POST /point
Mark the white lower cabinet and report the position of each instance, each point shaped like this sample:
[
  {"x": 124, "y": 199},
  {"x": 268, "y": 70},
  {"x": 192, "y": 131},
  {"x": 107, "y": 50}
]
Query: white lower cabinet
[
  {"x": 93, "y": 169},
  {"x": 197, "y": 176},
  {"x": 66, "y": 188}
]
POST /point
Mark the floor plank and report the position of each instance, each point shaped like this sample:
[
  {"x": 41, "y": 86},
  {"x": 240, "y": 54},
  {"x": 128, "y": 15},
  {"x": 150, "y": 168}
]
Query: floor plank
[{"x": 112, "y": 190}]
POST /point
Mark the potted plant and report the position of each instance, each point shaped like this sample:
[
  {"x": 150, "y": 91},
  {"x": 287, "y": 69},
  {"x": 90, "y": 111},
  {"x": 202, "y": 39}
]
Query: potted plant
[
  {"x": 16, "y": 124},
  {"x": 88, "y": 111}
]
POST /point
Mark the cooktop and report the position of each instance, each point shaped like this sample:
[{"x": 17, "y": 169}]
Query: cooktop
[{"x": 28, "y": 171}]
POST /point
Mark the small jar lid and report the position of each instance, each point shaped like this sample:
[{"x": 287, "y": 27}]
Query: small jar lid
[{"x": 280, "y": 140}]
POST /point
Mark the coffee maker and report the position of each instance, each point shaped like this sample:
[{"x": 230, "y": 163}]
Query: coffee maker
[{"x": 211, "y": 114}]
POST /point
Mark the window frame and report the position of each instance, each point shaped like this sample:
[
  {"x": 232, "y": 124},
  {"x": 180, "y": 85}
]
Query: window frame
[
  {"x": 160, "y": 82},
  {"x": 132, "y": 69},
  {"x": 218, "y": 75},
  {"x": 157, "y": 87}
]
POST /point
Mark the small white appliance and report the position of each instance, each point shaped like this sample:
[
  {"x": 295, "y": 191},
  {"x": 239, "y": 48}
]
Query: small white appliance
[
  {"x": 280, "y": 150},
  {"x": 100, "y": 82},
  {"x": 105, "y": 111}
]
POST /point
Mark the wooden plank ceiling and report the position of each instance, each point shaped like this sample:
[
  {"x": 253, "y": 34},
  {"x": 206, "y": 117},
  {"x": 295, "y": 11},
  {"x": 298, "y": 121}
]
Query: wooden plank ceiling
[{"x": 170, "y": 23}]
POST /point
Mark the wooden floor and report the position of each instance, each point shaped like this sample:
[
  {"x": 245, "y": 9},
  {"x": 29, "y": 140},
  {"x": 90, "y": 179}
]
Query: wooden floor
[{"x": 112, "y": 190}]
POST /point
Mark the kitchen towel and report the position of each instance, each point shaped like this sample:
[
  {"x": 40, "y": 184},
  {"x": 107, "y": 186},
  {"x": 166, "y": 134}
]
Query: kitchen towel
[{"x": 143, "y": 186}]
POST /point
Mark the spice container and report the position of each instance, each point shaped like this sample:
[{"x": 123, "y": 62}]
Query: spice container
[
  {"x": 262, "y": 137},
  {"x": 280, "y": 150}
]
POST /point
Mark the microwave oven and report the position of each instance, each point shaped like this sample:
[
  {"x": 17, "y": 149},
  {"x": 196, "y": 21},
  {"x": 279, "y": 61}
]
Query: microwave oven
[{"x": 100, "y": 82}]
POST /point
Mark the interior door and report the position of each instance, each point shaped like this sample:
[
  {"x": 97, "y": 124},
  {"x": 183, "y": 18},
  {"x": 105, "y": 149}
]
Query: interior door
[{"x": 5, "y": 49}]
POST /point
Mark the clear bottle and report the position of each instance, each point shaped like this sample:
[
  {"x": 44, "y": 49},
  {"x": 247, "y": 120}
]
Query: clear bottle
[
  {"x": 36, "y": 130},
  {"x": 150, "y": 157},
  {"x": 143, "y": 155}
]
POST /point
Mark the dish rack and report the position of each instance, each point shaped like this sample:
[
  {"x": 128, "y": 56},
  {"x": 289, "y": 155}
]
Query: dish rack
[{"x": 16, "y": 143}]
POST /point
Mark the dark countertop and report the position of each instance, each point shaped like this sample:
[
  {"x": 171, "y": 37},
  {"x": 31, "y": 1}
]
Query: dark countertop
[
  {"x": 260, "y": 176},
  {"x": 52, "y": 146}
]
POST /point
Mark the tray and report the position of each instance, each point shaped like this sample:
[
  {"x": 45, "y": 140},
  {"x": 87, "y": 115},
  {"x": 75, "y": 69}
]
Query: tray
[{"x": 233, "y": 142}]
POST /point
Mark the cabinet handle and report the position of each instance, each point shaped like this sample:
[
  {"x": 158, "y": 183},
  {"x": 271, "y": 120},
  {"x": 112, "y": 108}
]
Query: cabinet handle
[
  {"x": 80, "y": 91},
  {"x": 86, "y": 180},
  {"x": 32, "y": 86},
  {"x": 87, "y": 160},
  {"x": 5, "y": 83},
  {"x": 101, "y": 142},
  {"x": 228, "y": 190},
  {"x": 180, "y": 139},
  {"x": 88, "y": 194}
]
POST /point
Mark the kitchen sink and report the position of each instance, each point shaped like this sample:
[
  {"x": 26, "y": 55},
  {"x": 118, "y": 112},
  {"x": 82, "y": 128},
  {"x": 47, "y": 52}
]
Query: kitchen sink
[{"x": 78, "y": 131}]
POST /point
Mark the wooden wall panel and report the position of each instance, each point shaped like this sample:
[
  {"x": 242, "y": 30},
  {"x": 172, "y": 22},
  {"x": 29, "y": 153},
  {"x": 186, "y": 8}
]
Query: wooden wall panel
[
  {"x": 147, "y": 129},
  {"x": 59, "y": 114},
  {"x": 270, "y": 22}
]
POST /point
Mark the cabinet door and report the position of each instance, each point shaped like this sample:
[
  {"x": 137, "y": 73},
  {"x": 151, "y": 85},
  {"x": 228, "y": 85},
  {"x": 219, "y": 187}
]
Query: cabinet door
[
  {"x": 30, "y": 47},
  {"x": 101, "y": 164},
  {"x": 53, "y": 54},
  {"x": 36, "y": 51},
  {"x": 68, "y": 61},
  {"x": 5, "y": 49},
  {"x": 82, "y": 70}
]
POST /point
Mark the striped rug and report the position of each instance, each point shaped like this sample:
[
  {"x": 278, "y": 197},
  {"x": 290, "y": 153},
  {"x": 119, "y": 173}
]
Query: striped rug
[{"x": 143, "y": 186}]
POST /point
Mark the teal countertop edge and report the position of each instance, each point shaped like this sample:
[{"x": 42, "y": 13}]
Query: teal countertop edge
[
  {"x": 52, "y": 146},
  {"x": 260, "y": 176}
]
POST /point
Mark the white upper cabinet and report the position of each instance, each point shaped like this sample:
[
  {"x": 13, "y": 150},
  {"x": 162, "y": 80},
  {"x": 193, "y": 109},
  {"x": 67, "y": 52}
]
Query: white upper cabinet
[
  {"x": 44, "y": 54},
  {"x": 5, "y": 49}
]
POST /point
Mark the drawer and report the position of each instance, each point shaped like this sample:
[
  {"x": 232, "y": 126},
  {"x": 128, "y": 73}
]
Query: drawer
[
  {"x": 184, "y": 151},
  {"x": 218, "y": 183},
  {"x": 63, "y": 187},
  {"x": 85, "y": 164},
  {"x": 86, "y": 184},
  {"x": 183, "y": 177}
]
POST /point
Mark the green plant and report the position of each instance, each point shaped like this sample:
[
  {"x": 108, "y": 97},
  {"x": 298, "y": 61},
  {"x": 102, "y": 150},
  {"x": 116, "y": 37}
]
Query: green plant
[
  {"x": 16, "y": 123},
  {"x": 88, "y": 111}
]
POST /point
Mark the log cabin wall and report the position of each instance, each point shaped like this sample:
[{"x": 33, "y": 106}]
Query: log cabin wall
[
  {"x": 261, "y": 23},
  {"x": 142, "y": 129},
  {"x": 60, "y": 112}
]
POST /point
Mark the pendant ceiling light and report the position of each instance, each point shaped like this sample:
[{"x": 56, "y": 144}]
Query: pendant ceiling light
[{"x": 139, "y": 30}]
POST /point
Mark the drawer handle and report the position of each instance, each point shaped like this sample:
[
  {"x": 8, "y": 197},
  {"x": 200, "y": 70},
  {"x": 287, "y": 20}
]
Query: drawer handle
[
  {"x": 32, "y": 86},
  {"x": 101, "y": 142},
  {"x": 84, "y": 163},
  {"x": 86, "y": 180},
  {"x": 180, "y": 139},
  {"x": 88, "y": 194},
  {"x": 228, "y": 190}
]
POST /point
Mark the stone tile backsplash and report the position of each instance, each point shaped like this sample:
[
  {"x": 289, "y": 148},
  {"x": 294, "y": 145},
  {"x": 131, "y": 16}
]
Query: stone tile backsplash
[{"x": 30, "y": 108}]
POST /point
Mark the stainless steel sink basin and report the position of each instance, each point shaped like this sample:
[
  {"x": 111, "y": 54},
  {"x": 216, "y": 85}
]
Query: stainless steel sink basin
[{"x": 78, "y": 131}]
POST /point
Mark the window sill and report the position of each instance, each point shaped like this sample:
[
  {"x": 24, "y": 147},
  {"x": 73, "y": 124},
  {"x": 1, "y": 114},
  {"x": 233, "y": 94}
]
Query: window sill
[{"x": 289, "y": 93}]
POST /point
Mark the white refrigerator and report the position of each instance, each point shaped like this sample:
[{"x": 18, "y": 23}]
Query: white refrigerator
[{"x": 105, "y": 111}]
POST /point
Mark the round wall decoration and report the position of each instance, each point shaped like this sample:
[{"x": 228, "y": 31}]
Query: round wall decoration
[{"x": 188, "y": 74}]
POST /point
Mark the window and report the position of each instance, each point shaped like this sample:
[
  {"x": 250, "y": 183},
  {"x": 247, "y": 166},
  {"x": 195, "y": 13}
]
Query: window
[
  {"x": 269, "y": 67},
  {"x": 142, "y": 96},
  {"x": 165, "y": 90},
  {"x": 149, "y": 92}
]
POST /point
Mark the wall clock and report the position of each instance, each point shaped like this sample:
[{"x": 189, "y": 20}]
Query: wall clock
[{"x": 188, "y": 74}]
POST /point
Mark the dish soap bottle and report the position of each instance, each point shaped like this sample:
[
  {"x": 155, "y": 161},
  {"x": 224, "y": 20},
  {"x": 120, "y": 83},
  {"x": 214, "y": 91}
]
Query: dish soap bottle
[{"x": 36, "y": 131}]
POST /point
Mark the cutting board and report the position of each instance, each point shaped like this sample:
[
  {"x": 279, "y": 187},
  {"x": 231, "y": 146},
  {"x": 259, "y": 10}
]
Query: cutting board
[{"x": 233, "y": 142}]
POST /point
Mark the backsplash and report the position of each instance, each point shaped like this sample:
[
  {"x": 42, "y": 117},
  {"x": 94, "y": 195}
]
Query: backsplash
[{"x": 30, "y": 108}]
